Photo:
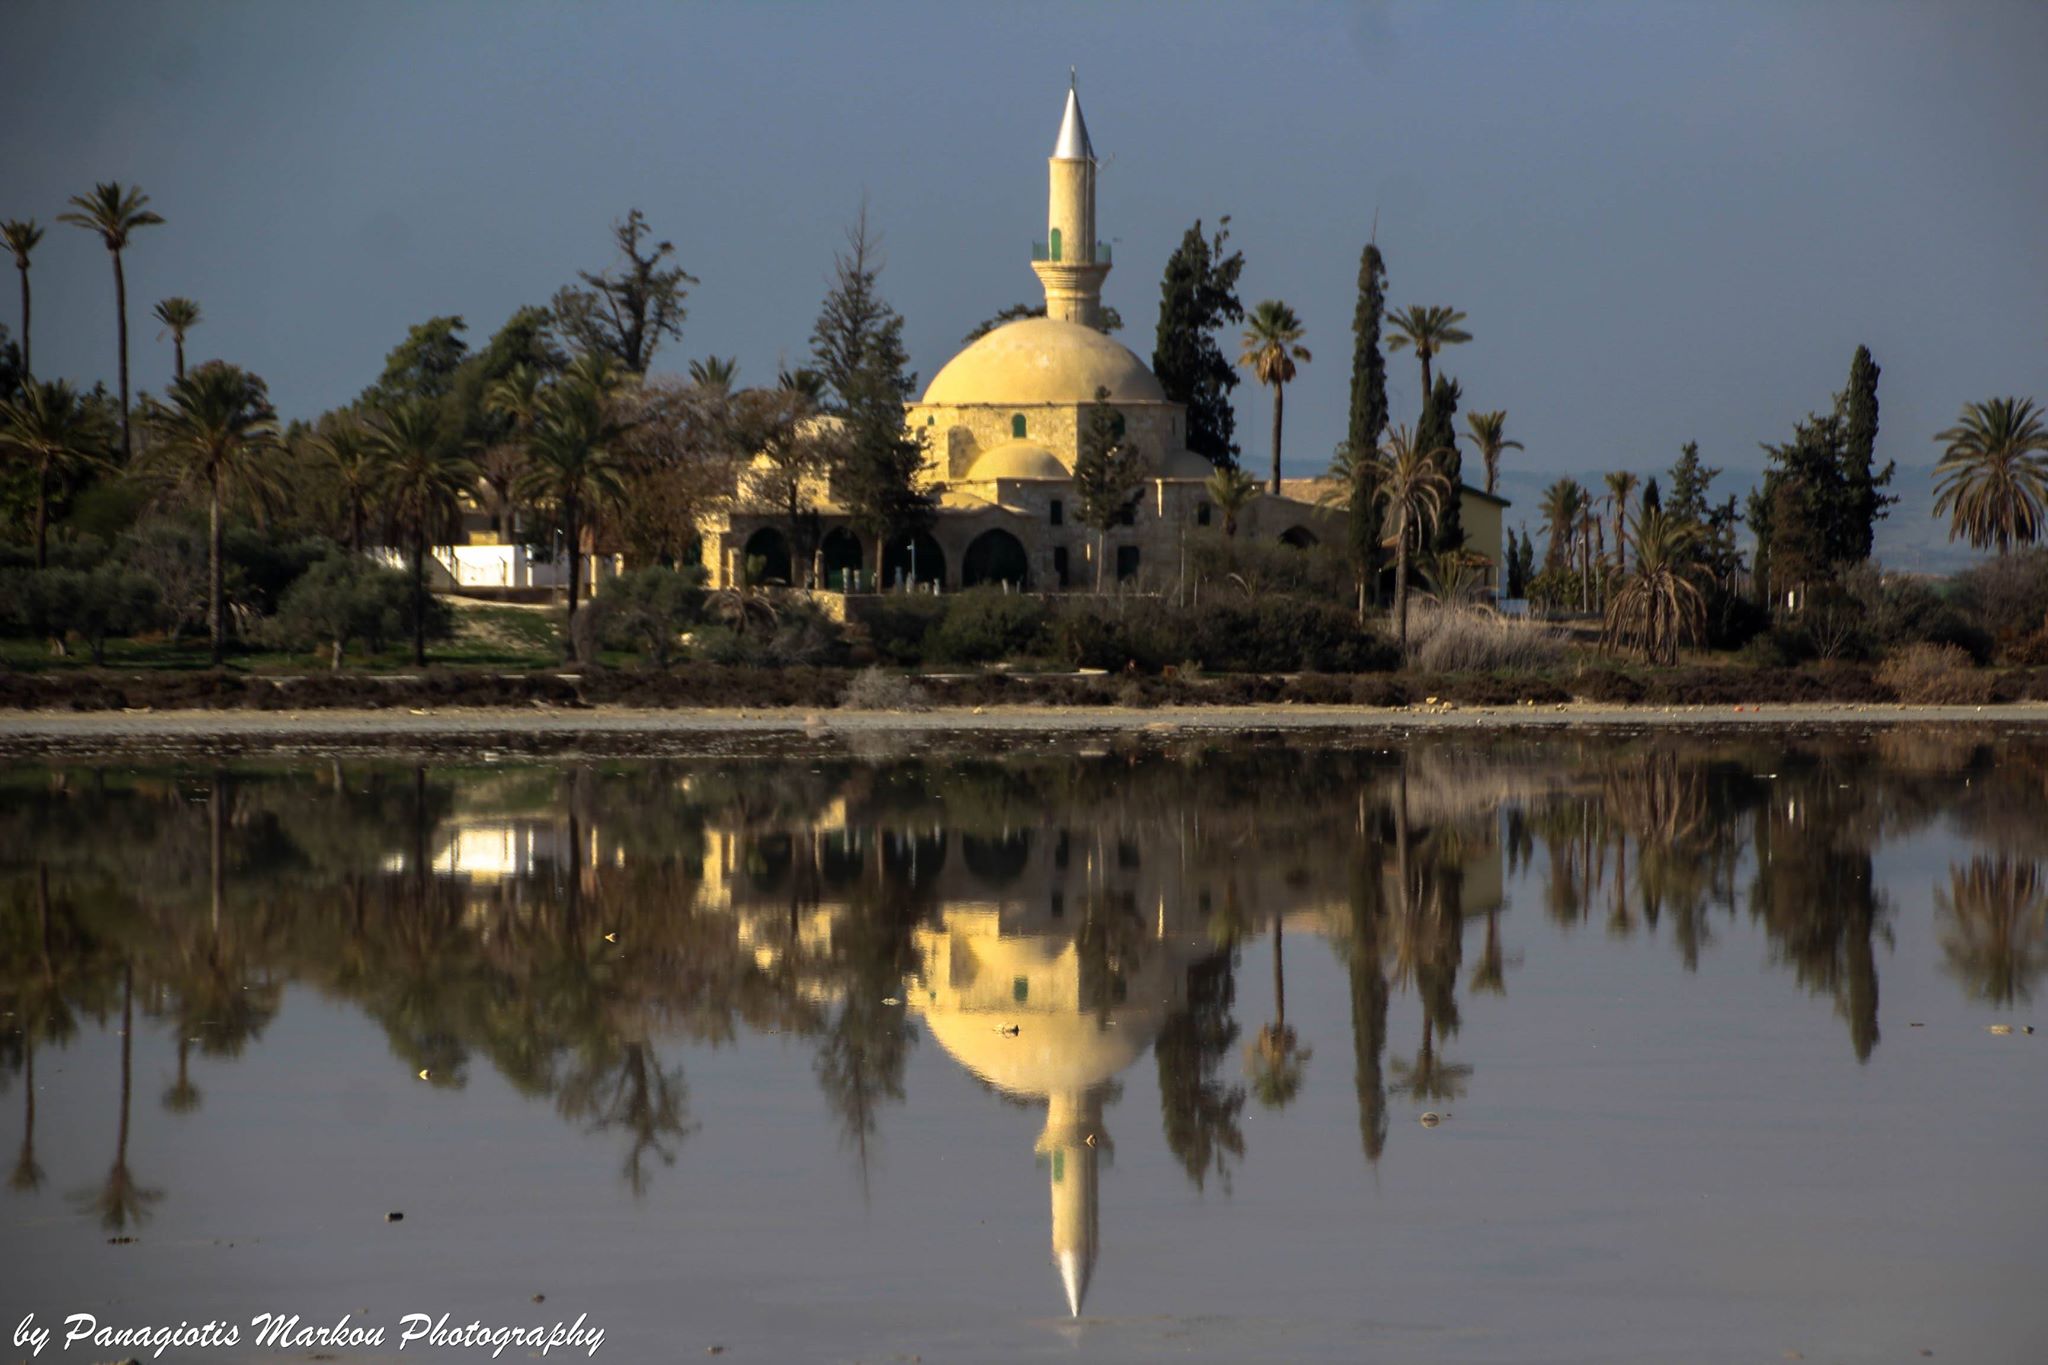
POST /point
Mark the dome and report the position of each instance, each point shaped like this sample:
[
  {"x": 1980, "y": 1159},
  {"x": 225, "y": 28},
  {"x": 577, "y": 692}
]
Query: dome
[
  {"x": 1043, "y": 360},
  {"x": 1017, "y": 460},
  {"x": 1049, "y": 1053},
  {"x": 1185, "y": 464}
]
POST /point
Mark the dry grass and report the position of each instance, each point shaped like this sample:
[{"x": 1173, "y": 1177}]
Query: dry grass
[
  {"x": 1475, "y": 639},
  {"x": 1935, "y": 675},
  {"x": 872, "y": 689}
]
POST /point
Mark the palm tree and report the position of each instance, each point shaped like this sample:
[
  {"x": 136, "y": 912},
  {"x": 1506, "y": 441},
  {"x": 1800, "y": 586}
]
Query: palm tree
[
  {"x": 216, "y": 436},
  {"x": 20, "y": 238},
  {"x": 515, "y": 396},
  {"x": 1620, "y": 486},
  {"x": 56, "y": 432},
  {"x": 1659, "y": 607},
  {"x": 1993, "y": 477},
  {"x": 1272, "y": 345},
  {"x": 1412, "y": 488},
  {"x": 1563, "y": 508},
  {"x": 714, "y": 372},
  {"x": 422, "y": 482},
  {"x": 179, "y": 316},
  {"x": 1428, "y": 330},
  {"x": 1232, "y": 490},
  {"x": 114, "y": 213},
  {"x": 1489, "y": 437},
  {"x": 575, "y": 467},
  {"x": 1274, "y": 1061},
  {"x": 351, "y": 456}
]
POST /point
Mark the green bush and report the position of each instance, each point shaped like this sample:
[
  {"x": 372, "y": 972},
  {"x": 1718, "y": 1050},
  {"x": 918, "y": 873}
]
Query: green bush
[
  {"x": 648, "y": 609},
  {"x": 983, "y": 625},
  {"x": 1898, "y": 611},
  {"x": 96, "y": 603},
  {"x": 338, "y": 602},
  {"x": 1274, "y": 634},
  {"x": 2006, "y": 597},
  {"x": 896, "y": 624}
]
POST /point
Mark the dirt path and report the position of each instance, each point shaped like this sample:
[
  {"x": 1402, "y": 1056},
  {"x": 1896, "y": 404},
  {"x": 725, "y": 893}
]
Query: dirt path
[{"x": 626, "y": 731}]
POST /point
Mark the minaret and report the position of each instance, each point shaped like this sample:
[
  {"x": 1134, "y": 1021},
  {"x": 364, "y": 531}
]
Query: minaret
[
  {"x": 1068, "y": 265},
  {"x": 1072, "y": 1145}
]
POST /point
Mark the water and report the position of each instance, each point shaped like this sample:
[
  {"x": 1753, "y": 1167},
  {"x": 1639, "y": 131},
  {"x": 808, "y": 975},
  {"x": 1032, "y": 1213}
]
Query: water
[{"x": 1072, "y": 1049}]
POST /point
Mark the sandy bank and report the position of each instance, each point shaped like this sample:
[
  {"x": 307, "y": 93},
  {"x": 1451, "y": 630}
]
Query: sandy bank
[{"x": 623, "y": 730}]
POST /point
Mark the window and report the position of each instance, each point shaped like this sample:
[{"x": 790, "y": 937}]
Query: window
[
  {"x": 1126, "y": 562},
  {"x": 1054, "y": 243},
  {"x": 1059, "y": 571},
  {"x": 1127, "y": 515},
  {"x": 1116, "y": 425},
  {"x": 1017, "y": 426},
  {"x": 1201, "y": 514},
  {"x": 1020, "y": 989},
  {"x": 1059, "y": 905},
  {"x": 1058, "y": 515}
]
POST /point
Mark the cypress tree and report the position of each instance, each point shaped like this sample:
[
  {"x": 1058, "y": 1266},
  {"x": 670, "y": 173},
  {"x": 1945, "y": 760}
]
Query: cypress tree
[
  {"x": 1368, "y": 411},
  {"x": 1863, "y": 499},
  {"x": 1438, "y": 430},
  {"x": 1197, "y": 296}
]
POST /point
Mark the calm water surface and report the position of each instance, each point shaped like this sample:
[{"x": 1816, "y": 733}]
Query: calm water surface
[{"x": 1603, "y": 1046}]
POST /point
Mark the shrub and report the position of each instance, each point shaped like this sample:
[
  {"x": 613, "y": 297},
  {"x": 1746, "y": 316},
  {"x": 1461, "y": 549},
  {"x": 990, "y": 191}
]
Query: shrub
[
  {"x": 874, "y": 690},
  {"x": 1468, "y": 639},
  {"x": 1898, "y": 611},
  {"x": 896, "y": 624},
  {"x": 648, "y": 609},
  {"x": 2006, "y": 597},
  {"x": 1276, "y": 634},
  {"x": 340, "y": 601},
  {"x": 97, "y": 603},
  {"x": 983, "y": 625},
  {"x": 1269, "y": 567},
  {"x": 1938, "y": 675}
]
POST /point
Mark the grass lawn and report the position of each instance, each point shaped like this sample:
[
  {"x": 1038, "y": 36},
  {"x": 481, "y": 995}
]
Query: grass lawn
[{"x": 486, "y": 636}]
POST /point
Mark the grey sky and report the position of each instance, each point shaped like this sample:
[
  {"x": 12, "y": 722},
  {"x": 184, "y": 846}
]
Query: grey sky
[{"x": 1666, "y": 221}]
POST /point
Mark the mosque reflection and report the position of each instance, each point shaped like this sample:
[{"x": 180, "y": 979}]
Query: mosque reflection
[{"x": 1047, "y": 920}]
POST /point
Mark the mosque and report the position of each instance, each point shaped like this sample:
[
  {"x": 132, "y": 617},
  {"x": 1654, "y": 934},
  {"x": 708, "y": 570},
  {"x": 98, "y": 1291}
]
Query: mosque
[{"x": 1002, "y": 423}]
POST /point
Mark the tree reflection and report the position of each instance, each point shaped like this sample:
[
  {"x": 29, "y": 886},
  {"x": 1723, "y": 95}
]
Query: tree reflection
[
  {"x": 121, "y": 1200},
  {"x": 1995, "y": 927}
]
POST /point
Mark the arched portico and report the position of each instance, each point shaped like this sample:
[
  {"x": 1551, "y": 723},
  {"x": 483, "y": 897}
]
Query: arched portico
[
  {"x": 771, "y": 547},
  {"x": 995, "y": 556}
]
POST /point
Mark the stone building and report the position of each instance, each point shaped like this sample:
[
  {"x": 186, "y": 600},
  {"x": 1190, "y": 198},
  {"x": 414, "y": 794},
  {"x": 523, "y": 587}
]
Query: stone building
[{"x": 1001, "y": 425}]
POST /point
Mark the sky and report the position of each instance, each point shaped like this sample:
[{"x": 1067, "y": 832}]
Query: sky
[{"x": 1667, "y": 222}]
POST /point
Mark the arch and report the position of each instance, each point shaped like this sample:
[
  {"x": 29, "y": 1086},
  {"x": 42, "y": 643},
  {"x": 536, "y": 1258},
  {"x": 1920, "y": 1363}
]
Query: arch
[
  {"x": 842, "y": 554},
  {"x": 995, "y": 556},
  {"x": 1018, "y": 426},
  {"x": 921, "y": 553},
  {"x": 997, "y": 859},
  {"x": 771, "y": 547},
  {"x": 910, "y": 858},
  {"x": 1053, "y": 241},
  {"x": 1298, "y": 538}
]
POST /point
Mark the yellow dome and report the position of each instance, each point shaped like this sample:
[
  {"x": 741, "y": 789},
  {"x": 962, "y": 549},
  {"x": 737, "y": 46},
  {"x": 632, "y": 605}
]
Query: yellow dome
[
  {"x": 1185, "y": 464},
  {"x": 1017, "y": 460},
  {"x": 1049, "y": 1053},
  {"x": 1043, "y": 360}
]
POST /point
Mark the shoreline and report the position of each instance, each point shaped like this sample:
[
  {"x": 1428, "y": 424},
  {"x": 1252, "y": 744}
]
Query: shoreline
[{"x": 632, "y": 730}]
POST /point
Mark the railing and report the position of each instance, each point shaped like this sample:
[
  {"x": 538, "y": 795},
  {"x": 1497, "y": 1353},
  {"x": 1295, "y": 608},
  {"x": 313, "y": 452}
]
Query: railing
[{"x": 1040, "y": 251}]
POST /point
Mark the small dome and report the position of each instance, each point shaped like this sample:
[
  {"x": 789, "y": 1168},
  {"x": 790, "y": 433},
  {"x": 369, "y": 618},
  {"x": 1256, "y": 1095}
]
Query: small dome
[
  {"x": 1043, "y": 360},
  {"x": 1185, "y": 464},
  {"x": 1017, "y": 460}
]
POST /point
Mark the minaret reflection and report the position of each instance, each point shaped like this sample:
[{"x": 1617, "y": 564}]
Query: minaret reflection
[{"x": 1053, "y": 1003}]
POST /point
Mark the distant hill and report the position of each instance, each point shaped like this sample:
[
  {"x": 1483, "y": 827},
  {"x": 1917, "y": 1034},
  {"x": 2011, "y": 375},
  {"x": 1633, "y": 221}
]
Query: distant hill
[{"x": 1908, "y": 539}]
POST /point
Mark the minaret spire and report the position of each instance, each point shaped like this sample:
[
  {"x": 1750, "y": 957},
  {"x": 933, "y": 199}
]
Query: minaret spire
[{"x": 1070, "y": 262}]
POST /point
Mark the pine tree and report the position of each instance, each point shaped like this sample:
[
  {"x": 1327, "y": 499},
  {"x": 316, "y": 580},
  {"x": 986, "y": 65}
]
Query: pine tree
[
  {"x": 1197, "y": 297},
  {"x": 858, "y": 346},
  {"x": 1438, "y": 430},
  {"x": 1107, "y": 475}
]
